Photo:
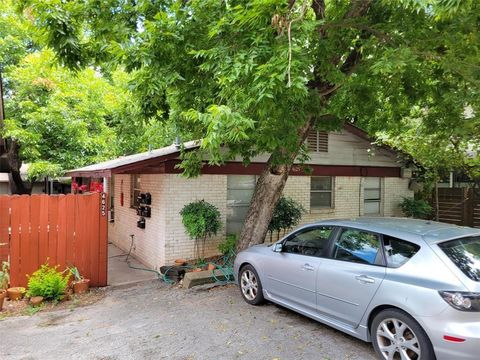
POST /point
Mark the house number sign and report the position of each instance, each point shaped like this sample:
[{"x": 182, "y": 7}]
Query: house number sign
[{"x": 104, "y": 204}]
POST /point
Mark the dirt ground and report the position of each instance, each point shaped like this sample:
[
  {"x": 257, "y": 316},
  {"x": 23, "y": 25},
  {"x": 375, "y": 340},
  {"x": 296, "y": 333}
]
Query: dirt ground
[{"x": 157, "y": 321}]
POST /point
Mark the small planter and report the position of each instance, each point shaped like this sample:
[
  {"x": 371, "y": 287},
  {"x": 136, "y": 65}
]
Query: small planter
[
  {"x": 197, "y": 270},
  {"x": 211, "y": 267},
  {"x": 36, "y": 300},
  {"x": 3, "y": 295},
  {"x": 16, "y": 293},
  {"x": 81, "y": 286},
  {"x": 67, "y": 295},
  {"x": 180, "y": 262}
]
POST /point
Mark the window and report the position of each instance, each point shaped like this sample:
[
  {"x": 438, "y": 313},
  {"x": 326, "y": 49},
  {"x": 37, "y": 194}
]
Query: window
[
  {"x": 239, "y": 193},
  {"x": 317, "y": 141},
  {"x": 358, "y": 246},
  {"x": 135, "y": 190},
  {"x": 310, "y": 242},
  {"x": 465, "y": 254},
  {"x": 321, "y": 192},
  {"x": 398, "y": 252},
  {"x": 372, "y": 196}
]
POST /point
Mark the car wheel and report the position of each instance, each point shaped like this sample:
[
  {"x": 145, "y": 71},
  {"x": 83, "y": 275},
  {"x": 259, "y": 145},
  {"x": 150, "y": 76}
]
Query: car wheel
[
  {"x": 250, "y": 285},
  {"x": 396, "y": 335}
]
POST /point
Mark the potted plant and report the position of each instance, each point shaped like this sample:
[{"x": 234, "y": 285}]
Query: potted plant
[
  {"x": 80, "y": 284},
  {"x": 16, "y": 293}
]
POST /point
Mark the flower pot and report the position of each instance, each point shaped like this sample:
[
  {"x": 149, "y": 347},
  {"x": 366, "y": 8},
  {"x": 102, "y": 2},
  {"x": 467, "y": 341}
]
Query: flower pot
[
  {"x": 67, "y": 295},
  {"x": 16, "y": 293},
  {"x": 36, "y": 300},
  {"x": 197, "y": 270},
  {"x": 211, "y": 266},
  {"x": 3, "y": 294},
  {"x": 81, "y": 286},
  {"x": 180, "y": 262}
]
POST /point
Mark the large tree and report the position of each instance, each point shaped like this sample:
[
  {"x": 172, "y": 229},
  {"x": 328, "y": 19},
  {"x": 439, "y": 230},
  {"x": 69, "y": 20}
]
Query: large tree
[{"x": 255, "y": 76}]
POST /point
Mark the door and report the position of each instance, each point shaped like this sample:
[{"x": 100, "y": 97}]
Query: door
[
  {"x": 291, "y": 274},
  {"x": 350, "y": 277}
]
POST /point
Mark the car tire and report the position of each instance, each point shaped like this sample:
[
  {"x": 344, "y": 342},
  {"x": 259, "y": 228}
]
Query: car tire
[
  {"x": 393, "y": 330},
  {"x": 250, "y": 285}
]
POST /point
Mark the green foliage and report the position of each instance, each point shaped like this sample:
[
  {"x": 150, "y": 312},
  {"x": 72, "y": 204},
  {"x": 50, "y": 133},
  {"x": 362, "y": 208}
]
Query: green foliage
[
  {"x": 75, "y": 273},
  {"x": 48, "y": 282},
  {"x": 229, "y": 245},
  {"x": 287, "y": 214},
  {"x": 201, "y": 219},
  {"x": 5, "y": 275},
  {"x": 416, "y": 208}
]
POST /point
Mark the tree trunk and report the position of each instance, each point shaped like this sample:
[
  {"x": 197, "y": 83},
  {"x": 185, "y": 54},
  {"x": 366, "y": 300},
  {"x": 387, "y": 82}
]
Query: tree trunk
[
  {"x": 267, "y": 192},
  {"x": 17, "y": 185}
]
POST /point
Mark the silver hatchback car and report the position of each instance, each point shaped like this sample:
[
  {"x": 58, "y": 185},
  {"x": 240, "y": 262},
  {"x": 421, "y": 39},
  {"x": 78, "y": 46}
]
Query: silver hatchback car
[{"x": 411, "y": 287}]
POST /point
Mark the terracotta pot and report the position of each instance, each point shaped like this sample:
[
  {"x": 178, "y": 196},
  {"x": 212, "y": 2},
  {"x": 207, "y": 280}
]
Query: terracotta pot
[
  {"x": 81, "y": 286},
  {"x": 197, "y": 269},
  {"x": 3, "y": 295},
  {"x": 36, "y": 300},
  {"x": 16, "y": 293},
  {"x": 67, "y": 295},
  {"x": 211, "y": 266},
  {"x": 180, "y": 262}
]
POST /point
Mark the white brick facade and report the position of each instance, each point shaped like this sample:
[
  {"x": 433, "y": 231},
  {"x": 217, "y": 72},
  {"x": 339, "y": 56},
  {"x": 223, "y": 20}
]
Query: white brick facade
[{"x": 164, "y": 238}]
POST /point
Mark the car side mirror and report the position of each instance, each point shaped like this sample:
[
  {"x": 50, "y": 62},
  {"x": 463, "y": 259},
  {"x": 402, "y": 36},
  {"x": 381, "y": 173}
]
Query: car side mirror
[{"x": 278, "y": 247}]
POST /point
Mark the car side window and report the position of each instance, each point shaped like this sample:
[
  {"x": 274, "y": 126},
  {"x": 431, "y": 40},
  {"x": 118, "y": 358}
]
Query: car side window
[
  {"x": 398, "y": 252},
  {"x": 358, "y": 246},
  {"x": 310, "y": 242}
]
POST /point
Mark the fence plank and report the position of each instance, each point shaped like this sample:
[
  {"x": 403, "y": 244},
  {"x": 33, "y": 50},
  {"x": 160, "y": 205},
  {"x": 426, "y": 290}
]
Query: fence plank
[
  {"x": 4, "y": 227},
  {"x": 93, "y": 234},
  {"x": 70, "y": 205},
  {"x": 81, "y": 241},
  {"x": 26, "y": 262},
  {"x": 35, "y": 208},
  {"x": 43, "y": 230},
  {"x": 15, "y": 264},
  {"x": 62, "y": 233},
  {"x": 52, "y": 230}
]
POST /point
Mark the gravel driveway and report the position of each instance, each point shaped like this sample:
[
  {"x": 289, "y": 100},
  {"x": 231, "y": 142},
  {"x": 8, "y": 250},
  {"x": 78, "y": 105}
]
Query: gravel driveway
[{"x": 156, "y": 321}]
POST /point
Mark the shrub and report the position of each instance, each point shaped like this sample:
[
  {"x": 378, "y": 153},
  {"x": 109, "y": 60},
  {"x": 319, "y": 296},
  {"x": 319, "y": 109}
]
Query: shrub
[
  {"x": 201, "y": 220},
  {"x": 47, "y": 282},
  {"x": 416, "y": 208},
  {"x": 5, "y": 275},
  {"x": 287, "y": 214},
  {"x": 228, "y": 246}
]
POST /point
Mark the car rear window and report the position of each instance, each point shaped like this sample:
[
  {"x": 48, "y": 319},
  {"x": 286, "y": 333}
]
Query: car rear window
[{"x": 465, "y": 254}]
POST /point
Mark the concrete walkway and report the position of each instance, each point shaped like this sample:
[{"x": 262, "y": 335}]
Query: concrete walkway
[{"x": 120, "y": 274}]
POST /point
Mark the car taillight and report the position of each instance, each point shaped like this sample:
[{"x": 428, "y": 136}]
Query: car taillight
[{"x": 461, "y": 300}]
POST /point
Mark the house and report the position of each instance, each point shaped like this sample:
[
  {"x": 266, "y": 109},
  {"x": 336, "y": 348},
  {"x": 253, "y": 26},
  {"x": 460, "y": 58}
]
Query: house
[{"x": 348, "y": 179}]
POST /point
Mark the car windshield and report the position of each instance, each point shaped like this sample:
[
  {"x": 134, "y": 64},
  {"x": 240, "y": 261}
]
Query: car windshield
[{"x": 465, "y": 254}]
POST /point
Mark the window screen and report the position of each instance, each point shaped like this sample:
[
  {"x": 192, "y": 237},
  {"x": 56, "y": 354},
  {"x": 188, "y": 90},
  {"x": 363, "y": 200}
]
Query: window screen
[
  {"x": 372, "y": 196},
  {"x": 321, "y": 192},
  {"x": 239, "y": 193}
]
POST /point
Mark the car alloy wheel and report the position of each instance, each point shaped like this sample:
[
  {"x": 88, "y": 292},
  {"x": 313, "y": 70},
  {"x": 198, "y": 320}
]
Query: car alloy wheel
[
  {"x": 396, "y": 340},
  {"x": 249, "y": 285}
]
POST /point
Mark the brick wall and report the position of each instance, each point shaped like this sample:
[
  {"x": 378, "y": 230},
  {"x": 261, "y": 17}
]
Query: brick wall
[
  {"x": 164, "y": 238},
  {"x": 182, "y": 191},
  {"x": 149, "y": 243}
]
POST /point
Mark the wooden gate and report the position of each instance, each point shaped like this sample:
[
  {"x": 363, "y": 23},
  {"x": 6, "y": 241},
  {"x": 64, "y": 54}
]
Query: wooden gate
[
  {"x": 64, "y": 230},
  {"x": 459, "y": 206}
]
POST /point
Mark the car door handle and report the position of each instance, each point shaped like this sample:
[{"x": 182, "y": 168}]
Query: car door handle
[
  {"x": 308, "y": 267},
  {"x": 365, "y": 279}
]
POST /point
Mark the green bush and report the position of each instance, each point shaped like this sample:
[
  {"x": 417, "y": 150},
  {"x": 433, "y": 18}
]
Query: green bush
[
  {"x": 229, "y": 245},
  {"x": 201, "y": 220},
  {"x": 47, "y": 282},
  {"x": 416, "y": 208},
  {"x": 287, "y": 214}
]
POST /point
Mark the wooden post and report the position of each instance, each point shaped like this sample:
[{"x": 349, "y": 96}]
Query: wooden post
[{"x": 468, "y": 207}]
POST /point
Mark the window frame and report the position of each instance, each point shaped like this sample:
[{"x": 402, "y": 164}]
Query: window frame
[
  {"x": 380, "y": 260},
  {"x": 379, "y": 200},
  {"x": 331, "y": 191},
  {"x": 133, "y": 202},
  {"x": 309, "y": 228}
]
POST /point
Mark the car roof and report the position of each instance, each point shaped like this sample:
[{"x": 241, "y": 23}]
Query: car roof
[{"x": 407, "y": 228}]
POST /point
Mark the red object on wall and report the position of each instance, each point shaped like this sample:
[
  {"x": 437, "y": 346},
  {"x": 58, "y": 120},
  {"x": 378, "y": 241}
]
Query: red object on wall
[{"x": 121, "y": 194}]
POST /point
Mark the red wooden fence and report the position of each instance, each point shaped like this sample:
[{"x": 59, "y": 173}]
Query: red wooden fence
[{"x": 64, "y": 230}]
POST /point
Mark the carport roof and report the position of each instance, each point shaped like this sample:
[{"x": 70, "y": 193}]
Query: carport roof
[{"x": 126, "y": 163}]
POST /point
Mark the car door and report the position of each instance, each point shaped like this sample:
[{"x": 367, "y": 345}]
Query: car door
[
  {"x": 291, "y": 273},
  {"x": 349, "y": 278}
]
